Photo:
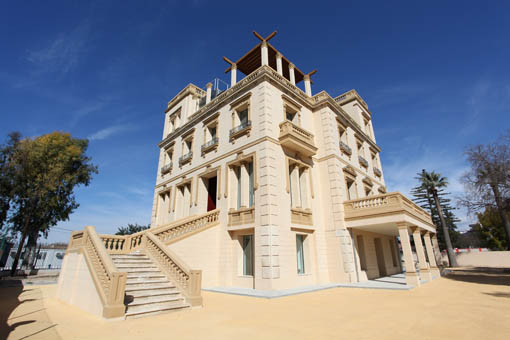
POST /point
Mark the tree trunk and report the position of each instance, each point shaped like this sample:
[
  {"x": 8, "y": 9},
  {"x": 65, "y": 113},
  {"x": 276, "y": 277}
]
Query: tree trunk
[
  {"x": 28, "y": 260},
  {"x": 502, "y": 213},
  {"x": 449, "y": 248},
  {"x": 20, "y": 247}
]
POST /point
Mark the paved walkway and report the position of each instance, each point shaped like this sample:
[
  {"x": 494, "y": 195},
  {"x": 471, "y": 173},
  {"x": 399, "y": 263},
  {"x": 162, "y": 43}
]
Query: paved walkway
[
  {"x": 393, "y": 282},
  {"x": 468, "y": 304}
]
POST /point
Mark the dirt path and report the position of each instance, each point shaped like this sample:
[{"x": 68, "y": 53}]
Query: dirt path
[{"x": 466, "y": 305}]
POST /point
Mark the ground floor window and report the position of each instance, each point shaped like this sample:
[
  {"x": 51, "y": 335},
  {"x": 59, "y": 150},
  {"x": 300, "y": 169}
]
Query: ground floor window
[
  {"x": 248, "y": 255},
  {"x": 300, "y": 241}
]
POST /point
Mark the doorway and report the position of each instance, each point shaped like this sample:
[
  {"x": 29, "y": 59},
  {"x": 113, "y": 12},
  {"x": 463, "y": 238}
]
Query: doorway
[
  {"x": 380, "y": 257},
  {"x": 212, "y": 185}
]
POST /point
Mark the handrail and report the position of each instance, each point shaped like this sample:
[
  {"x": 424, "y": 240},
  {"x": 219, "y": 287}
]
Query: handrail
[
  {"x": 189, "y": 281},
  {"x": 109, "y": 281},
  {"x": 175, "y": 230}
]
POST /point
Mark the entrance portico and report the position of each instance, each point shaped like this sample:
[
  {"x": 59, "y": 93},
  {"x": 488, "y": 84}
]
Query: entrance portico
[{"x": 388, "y": 216}]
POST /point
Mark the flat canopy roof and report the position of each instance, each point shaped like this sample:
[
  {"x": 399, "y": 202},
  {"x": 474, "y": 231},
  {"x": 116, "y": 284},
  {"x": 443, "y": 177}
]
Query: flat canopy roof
[{"x": 253, "y": 60}]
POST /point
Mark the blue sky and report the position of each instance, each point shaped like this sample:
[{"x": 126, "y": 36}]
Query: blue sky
[{"x": 434, "y": 74}]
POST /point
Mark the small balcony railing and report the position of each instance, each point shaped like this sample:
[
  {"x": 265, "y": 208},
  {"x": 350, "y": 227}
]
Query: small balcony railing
[
  {"x": 212, "y": 144},
  {"x": 296, "y": 138},
  {"x": 363, "y": 162},
  {"x": 240, "y": 129},
  {"x": 345, "y": 148},
  {"x": 186, "y": 158},
  {"x": 166, "y": 168},
  {"x": 377, "y": 172}
]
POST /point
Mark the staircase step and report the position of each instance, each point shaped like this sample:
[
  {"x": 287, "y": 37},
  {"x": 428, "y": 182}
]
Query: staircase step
[
  {"x": 152, "y": 292},
  {"x": 155, "y": 299},
  {"x": 140, "y": 270},
  {"x": 145, "y": 276},
  {"x": 135, "y": 283},
  {"x": 131, "y": 261},
  {"x": 135, "y": 265},
  {"x": 155, "y": 308},
  {"x": 149, "y": 286}
]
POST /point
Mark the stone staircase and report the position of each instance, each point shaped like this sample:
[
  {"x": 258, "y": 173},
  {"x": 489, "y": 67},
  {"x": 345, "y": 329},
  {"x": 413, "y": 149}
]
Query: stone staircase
[{"x": 148, "y": 290}]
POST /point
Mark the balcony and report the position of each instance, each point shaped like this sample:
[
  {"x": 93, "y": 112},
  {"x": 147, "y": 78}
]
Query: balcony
[
  {"x": 186, "y": 158},
  {"x": 363, "y": 162},
  {"x": 296, "y": 138},
  {"x": 210, "y": 145},
  {"x": 301, "y": 216},
  {"x": 166, "y": 168},
  {"x": 345, "y": 148},
  {"x": 241, "y": 216},
  {"x": 380, "y": 213},
  {"x": 240, "y": 130},
  {"x": 377, "y": 172}
]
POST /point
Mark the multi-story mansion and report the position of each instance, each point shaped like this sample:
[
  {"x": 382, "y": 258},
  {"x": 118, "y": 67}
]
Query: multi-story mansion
[
  {"x": 296, "y": 180},
  {"x": 262, "y": 185}
]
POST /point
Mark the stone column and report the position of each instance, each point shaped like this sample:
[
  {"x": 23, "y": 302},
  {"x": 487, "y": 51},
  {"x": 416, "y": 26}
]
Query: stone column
[
  {"x": 208, "y": 95},
  {"x": 422, "y": 261},
  {"x": 412, "y": 278},
  {"x": 233, "y": 75},
  {"x": 308, "y": 86},
  {"x": 245, "y": 184},
  {"x": 292, "y": 78},
  {"x": 279, "y": 67},
  {"x": 263, "y": 50},
  {"x": 432, "y": 258},
  {"x": 437, "y": 251}
]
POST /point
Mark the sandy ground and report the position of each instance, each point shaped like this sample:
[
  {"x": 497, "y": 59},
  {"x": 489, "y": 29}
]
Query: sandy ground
[{"x": 465, "y": 305}]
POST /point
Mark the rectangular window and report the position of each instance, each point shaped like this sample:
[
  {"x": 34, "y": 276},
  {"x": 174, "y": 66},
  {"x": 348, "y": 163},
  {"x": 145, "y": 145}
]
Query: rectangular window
[
  {"x": 212, "y": 132},
  {"x": 300, "y": 240},
  {"x": 243, "y": 116},
  {"x": 250, "y": 180},
  {"x": 237, "y": 171},
  {"x": 248, "y": 255}
]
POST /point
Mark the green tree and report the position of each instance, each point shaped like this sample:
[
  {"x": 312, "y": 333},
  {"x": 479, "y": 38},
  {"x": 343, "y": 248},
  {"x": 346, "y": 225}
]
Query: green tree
[
  {"x": 131, "y": 229},
  {"x": 431, "y": 183},
  {"x": 45, "y": 172},
  {"x": 424, "y": 199},
  {"x": 491, "y": 230}
]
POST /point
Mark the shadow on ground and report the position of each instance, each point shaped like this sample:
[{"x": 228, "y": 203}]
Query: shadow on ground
[
  {"x": 10, "y": 291},
  {"x": 480, "y": 275}
]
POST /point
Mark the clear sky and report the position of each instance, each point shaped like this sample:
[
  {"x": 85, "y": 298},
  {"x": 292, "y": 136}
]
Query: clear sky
[{"x": 435, "y": 75}]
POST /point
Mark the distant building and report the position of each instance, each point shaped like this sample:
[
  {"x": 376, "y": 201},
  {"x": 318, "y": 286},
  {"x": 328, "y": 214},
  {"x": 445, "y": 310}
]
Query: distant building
[{"x": 47, "y": 256}]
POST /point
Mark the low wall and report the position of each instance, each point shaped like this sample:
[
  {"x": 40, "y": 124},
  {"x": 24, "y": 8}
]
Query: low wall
[{"x": 491, "y": 259}]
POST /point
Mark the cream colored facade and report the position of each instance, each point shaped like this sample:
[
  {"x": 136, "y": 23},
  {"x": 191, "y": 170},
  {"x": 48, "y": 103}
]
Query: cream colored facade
[
  {"x": 261, "y": 186},
  {"x": 278, "y": 162}
]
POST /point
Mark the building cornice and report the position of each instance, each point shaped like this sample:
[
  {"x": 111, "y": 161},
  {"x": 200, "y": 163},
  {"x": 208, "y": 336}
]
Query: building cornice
[
  {"x": 264, "y": 73},
  {"x": 190, "y": 89}
]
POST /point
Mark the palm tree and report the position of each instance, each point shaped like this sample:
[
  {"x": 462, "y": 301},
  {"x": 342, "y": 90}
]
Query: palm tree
[{"x": 432, "y": 181}]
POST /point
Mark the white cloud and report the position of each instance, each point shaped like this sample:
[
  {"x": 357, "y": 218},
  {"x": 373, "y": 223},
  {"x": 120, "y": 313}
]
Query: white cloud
[
  {"x": 109, "y": 131},
  {"x": 61, "y": 54}
]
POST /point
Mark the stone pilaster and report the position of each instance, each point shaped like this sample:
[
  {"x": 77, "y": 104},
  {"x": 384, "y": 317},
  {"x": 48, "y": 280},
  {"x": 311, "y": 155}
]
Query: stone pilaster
[
  {"x": 422, "y": 261},
  {"x": 412, "y": 278},
  {"x": 432, "y": 258}
]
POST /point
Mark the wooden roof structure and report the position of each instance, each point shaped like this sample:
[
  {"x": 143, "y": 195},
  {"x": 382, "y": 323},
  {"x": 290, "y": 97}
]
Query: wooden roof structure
[{"x": 253, "y": 60}]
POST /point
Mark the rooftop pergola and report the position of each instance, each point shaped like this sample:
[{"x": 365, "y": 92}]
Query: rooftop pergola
[{"x": 265, "y": 54}]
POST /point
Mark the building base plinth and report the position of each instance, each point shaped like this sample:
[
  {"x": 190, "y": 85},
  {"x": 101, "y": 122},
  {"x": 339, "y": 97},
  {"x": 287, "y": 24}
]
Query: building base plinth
[{"x": 412, "y": 279}]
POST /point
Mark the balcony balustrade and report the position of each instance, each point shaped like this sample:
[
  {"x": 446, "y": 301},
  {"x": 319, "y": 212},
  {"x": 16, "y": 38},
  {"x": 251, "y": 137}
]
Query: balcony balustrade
[
  {"x": 166, "y": 168},
  {"x": 240, "y": 130},
  {"x": 210, "y": 145},
  {"x": 377, "y": 172},
  {"x": 186, "y": 158},
  {"x": 383, "y": 206},
  {"x": 345, "y": 148},
  {"x": 297, "y": 138},
  {"x": 363, "y": 162}
]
